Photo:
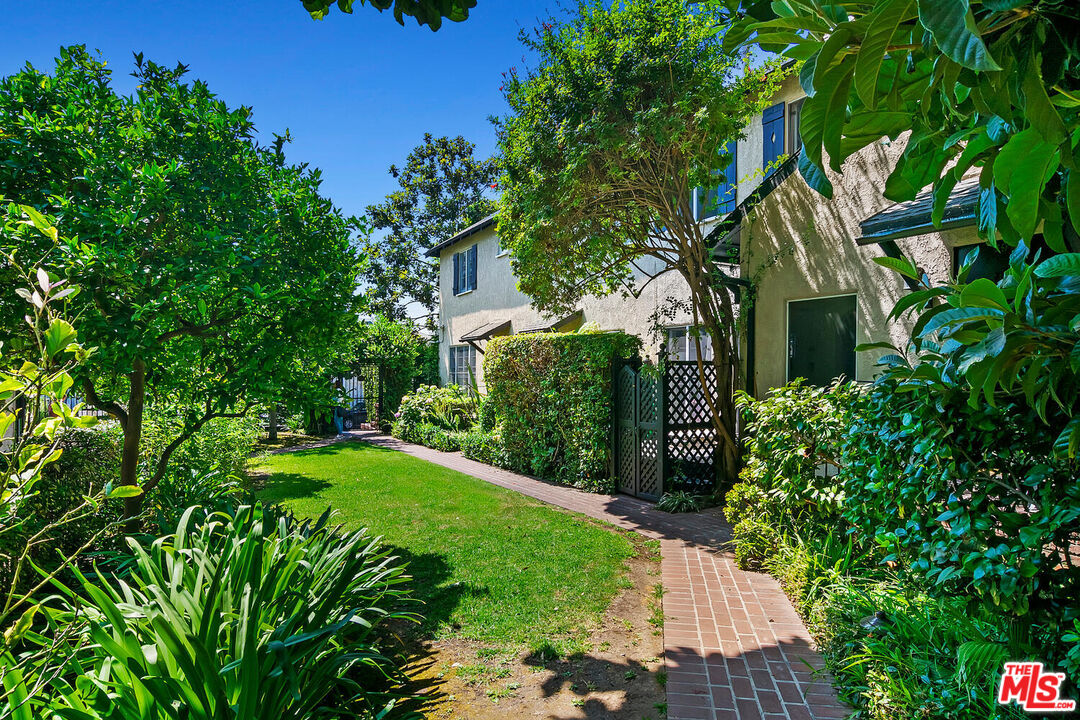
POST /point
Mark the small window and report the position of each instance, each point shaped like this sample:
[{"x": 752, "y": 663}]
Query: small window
[
  {"x": 683, "y": 341},
  {"x": 465, "y": 271},
  {"x": 794, "y": 125},
  {"x": 821, "y": 339},
  {"x": 462, "y": 365}
]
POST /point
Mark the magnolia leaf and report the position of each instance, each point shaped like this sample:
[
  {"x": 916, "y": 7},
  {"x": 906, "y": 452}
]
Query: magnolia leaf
[
  {"x": 884, "y": 21},
  {"x": 960, "y": 316},
  {"x": 953, "y": 27},
  {"x": 43, "y": 280},
  {"x": 901, "y": 265},
  {"x": 1042, "y": 115},
  {"x": 814, "y": 176},
  {"x": 58, "y": 337},
  {"x": 1063, "y": 265},
  {"x": 1021, "y": 169},
  {"x": 983, "y": 293},
  {"x": 1072, "y": 199}
]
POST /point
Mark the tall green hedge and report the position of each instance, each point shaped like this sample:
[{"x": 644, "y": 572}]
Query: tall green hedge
[{"x": 550, "y": 396}]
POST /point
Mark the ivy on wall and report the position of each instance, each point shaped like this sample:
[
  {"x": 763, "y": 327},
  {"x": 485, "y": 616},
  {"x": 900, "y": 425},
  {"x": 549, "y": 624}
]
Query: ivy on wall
[{"x": 550, "y": 396}]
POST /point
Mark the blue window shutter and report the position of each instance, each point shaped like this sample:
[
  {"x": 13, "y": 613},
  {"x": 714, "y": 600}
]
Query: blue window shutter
[
  {"x": 772, "y": 127},
  {"x": 457, "y": 262},
  {"x": 472, "y": 267},
  {"x": 725, "y": 201}
]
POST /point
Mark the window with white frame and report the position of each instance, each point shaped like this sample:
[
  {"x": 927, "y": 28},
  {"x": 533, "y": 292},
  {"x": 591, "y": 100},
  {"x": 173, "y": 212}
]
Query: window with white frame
[
  {"x": 465, "y": 270},
  {"x": 683, "y": 342},
  {"x": 462, "y": 365}
]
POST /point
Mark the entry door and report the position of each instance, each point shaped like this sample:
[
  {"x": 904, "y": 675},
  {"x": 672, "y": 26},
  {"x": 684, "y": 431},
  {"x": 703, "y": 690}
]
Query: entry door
[{"x": 821, "y": 339}]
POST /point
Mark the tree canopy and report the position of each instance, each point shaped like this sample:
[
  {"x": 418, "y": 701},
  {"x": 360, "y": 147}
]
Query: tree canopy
[
  {"x": 216, "y": 276},
  {"x": 443, "y": 189},
  {"x": 426, "y": 12},
  {"x": 628, "y": 108}
]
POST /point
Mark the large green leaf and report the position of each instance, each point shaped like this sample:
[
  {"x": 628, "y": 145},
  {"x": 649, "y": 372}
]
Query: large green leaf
[
  {"x": 1063, "y": 265},
  {"x": 953, "y": 27},
  {"x": 1042, "y": 115},
  {"x": 884, "y": 22},
  {"x": 1020, "y": 170}
]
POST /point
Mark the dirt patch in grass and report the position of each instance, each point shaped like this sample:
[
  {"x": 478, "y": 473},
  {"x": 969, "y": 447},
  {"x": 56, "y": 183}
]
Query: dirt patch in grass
[{"x": 620, "y": 675}]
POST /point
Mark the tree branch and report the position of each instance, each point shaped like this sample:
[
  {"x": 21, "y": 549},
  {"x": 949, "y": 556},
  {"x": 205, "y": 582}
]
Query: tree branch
[
  {"x": 163, "y": 461},
  {"x": 110, "y": 406}
]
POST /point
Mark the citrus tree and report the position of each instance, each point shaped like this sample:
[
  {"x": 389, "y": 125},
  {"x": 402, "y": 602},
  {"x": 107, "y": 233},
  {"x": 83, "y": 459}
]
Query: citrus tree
[
  {"x": 215, "y": 274},
  {"x": 425, "y": 12},
  {"x": 628, "y": 108}
]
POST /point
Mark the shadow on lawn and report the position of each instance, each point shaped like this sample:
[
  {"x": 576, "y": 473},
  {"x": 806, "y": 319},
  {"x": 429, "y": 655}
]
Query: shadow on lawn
[{"x": 583, "y": 673}]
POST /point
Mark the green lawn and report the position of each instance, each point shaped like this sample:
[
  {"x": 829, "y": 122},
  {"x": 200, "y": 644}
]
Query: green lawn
[{"x": 490, "y": 565}]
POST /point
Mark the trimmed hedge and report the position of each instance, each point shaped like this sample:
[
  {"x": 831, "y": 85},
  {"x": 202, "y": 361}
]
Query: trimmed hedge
[{"x": 550, "y": 398}]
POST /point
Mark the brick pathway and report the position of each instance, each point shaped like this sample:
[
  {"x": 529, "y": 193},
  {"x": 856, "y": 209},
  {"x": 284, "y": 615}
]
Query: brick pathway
[{"x": 734, "y": 647}]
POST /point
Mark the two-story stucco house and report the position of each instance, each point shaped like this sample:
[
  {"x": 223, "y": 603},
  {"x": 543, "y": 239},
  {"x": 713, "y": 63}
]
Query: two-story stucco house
[{"x": 818, "y": 294}]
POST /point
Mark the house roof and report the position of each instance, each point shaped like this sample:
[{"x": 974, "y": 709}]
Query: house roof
[
  {"x": 915, "y": 217},
  {"x": 471, "y": 230},
  {"x": 550, "y": 326},
  {"x": 485, "y": 331}
]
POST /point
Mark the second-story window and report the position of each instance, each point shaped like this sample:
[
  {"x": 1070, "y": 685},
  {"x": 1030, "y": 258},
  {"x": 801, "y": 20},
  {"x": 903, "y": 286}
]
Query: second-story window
[
  {"x": 772, "y": 130},
  {"x": 719, "y": 200},
  {"x": 465, "y": 271}
]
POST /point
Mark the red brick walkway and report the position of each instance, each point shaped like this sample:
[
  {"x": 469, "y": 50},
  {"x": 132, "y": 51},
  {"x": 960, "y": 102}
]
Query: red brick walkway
[{"x": 734, "y": 646}]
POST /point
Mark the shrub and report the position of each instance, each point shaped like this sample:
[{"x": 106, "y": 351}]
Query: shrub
[
  {"x": 483, "y": 446},
  {"x": 791, "y": 434},
  {"x": 754, "y": 541},
  {"x": 244, "y": 614},
  {"x": 680, "y": 501},
  {"x": 970, "y": 497},
  {"x": 551, "y": 400},
  {"x": 447, "y": 408},
  {"x": 744, "y": 500},
  {"x": 436, "y": 437},
  {"x": 89, "y": 459},
  {"x": 223, "y": 443}
]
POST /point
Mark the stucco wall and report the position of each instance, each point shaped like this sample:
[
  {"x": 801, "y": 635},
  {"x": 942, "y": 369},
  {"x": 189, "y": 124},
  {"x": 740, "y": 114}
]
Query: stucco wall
[
  {"x": 798, "y": 245},
  {"x": 749, "y": 151},
  {"x": 497, "y": 298}
]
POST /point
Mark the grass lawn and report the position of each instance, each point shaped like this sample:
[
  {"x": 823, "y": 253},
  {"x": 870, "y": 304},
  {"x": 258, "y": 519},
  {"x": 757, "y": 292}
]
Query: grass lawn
[{"x": 490, "y": 565}]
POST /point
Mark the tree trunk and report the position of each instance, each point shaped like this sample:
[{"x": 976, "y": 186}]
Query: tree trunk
[
  {"x": 273, "y": 422},
  {"x": 129, "y": 459}
]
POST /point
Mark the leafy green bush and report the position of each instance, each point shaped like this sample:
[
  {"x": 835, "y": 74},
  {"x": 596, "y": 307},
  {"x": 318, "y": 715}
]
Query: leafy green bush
[
  {"x": 550, "y": 397},
  {"x": 755, "y": 541},
  {"x": 970, "y": 497},
  {"x": 223, "y": 443},
  {"x": 237, "y": 615},
  {"x": 433, "y": 408},
  {"x": 792, "y": 433},
  {"x": 483, "y": 446},
  {"x": 437, "y": 438},
  {"x": 680, "y": 501},
  {"x": 89, "y": 460},
  {"x": 916, "y": 662},
  {"x": 744, "y": 500},
  {"x": 405, "y": 356}
]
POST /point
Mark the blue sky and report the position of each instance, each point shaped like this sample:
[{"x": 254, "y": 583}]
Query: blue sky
[{"x": 357, "y": 91}]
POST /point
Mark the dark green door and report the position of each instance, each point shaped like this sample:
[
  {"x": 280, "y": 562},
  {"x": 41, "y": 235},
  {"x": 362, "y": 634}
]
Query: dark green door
[{"x": 821, "y": 339}]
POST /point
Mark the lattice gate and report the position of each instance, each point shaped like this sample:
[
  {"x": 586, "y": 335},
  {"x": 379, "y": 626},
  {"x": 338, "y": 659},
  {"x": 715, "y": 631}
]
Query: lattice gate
[
  {"x": 690, "y": 441},
  {"x": 664, "y": 438},
  {"x": 639, "y": 465}
]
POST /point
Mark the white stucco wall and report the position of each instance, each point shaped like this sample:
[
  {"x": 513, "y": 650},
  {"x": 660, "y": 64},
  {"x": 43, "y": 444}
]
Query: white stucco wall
[{"x": 497, "y": 298}]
